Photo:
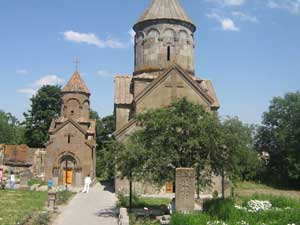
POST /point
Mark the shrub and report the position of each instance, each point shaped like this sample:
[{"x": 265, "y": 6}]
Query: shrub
[
  {"x": 63, "y": 197},
  {"x": 193, "y": 219},
  {"x": 220, "y": 208}
]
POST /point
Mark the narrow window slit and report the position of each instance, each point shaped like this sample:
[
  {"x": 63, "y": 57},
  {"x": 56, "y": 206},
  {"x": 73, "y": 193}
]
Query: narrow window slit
[{"x": 169, "y": 53}]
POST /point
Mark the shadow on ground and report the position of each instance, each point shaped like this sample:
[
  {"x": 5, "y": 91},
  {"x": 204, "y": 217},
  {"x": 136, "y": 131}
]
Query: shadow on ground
[
  {"x": 108, "y": 186},
  {"x": 111, "y": 212}
]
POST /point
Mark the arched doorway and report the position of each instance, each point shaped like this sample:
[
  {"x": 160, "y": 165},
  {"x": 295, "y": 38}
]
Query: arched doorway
[{"x": 67, "y": 165}]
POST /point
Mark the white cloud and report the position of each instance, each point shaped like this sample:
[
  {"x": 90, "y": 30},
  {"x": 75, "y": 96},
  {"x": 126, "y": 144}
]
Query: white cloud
[
  {"x": 293, "y": 6},
  {"x": 245, "y": 17},
  {"x": 22, "y": 72},
  {"x": 28, "y": 91},
  {"x": 228, "y": 2},
  {"x": 46, "y": 80},
  {"x": 49, "y": 80},
  {"x": 132, "y": 35},
  {"x": 91, "y": 39},
  {"x": 227, "y": 24},
  {"x": 104, "y": 73}
]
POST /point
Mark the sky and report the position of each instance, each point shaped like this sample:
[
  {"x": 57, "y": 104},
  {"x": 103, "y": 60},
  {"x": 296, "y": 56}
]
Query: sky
[{"x": 250, "y": 49}]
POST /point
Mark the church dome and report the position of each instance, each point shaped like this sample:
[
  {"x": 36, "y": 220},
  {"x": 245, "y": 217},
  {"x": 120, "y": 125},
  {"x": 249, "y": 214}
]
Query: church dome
[{"x": 165, "y": 10}]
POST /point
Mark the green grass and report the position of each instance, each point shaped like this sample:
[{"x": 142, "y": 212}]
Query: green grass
[
  {"x": 224, "y": 210},
  {"x": 16, "y": 206},
  {"x": 34, "y": 181},
  {"x": 248, "y": 185},
  {"x": 141, "y": 202},
  {"x": 63, "y": 197}
]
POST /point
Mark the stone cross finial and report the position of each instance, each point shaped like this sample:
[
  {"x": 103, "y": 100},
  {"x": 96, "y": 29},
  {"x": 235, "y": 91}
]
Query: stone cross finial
[{"x": 76, "y": 62}]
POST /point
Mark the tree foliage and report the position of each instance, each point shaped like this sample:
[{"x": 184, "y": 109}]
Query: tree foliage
[
  {"x": 45, "y": 106},
  {"x": 104, "y": 129},
  {"x": 186, "y": 135},
  {"x": 237, "y": 159},
  {"x": 182, "y": 135},
  {"x": 280, "y": 138},
  {"x": 11, "y": 132}
]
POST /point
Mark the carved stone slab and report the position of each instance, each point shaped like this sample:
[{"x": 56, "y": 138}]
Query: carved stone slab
[{"x": 185, "y": 190}]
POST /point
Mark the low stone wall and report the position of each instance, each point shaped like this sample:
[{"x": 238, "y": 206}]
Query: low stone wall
[{"x": 123, "y": 217}]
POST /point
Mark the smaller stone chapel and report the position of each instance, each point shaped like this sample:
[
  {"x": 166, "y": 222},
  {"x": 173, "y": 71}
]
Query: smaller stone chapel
[{"x": 71, "y": 150}]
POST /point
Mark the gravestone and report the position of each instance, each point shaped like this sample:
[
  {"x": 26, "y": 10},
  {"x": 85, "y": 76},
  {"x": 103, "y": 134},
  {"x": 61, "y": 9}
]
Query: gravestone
[{"x": 185, "y": 190}]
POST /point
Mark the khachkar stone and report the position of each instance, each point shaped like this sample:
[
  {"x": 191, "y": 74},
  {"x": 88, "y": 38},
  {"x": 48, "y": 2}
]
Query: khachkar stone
[{"x": 185, "y": 190}]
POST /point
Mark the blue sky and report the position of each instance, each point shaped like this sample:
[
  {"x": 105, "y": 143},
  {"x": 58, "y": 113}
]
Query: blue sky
[{"x": 250, "y": 49}]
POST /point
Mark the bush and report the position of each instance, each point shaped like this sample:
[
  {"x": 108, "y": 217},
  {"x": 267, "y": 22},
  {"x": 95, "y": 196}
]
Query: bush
[
  {"x": 63, "y": 197},
  {"x": 42, "y": 219},
  {"x": 220, "y": 208},
  {"x": 193, "y": 219}
]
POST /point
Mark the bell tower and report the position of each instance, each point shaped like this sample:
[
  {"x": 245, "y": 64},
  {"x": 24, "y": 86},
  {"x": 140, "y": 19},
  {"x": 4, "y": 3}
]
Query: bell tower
[
  {"x": 75, "y": 98},
  {"x": 164, "y": 36}
]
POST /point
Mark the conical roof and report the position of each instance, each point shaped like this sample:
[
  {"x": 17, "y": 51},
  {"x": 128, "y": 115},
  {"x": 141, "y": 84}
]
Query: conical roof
[
  {"x": 76, "y": 84},
  {"x": 165, "y": 9}
]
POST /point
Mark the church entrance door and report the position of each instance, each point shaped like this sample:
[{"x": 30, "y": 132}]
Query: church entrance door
[
  {"x": 68, "y": 164},
  {"x": 68, "y": 177}
]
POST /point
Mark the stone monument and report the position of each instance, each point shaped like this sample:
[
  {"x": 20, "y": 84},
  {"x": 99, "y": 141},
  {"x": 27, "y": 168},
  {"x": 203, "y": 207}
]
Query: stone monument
[{"x": 185, "y": 190}]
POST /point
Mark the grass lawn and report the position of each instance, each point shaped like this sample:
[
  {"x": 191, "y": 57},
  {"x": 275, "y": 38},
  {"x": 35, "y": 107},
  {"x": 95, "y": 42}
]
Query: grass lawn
[
  {"x": 15, "y": 206},
  {"x": 285, "y": 208},
  {"x": 250, "y": 188},
  {"x": 245, "y": 211},
  {"x": 141, "y": 202}
]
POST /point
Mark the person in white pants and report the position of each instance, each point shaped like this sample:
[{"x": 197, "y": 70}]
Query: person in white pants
[{"x": 87, "y": 182}]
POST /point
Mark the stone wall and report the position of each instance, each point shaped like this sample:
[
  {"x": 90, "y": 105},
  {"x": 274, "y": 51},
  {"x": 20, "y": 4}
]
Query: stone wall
[{"x": 160, "y": 45}]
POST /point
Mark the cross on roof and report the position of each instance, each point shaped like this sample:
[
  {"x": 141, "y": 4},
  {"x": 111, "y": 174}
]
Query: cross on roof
[
  {"x": 76, "y": 62},
  {"x": 175, "y": 84}
]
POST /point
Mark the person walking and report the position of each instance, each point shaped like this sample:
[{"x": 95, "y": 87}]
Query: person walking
[
  {"x": 87, "y": 183},
  {"x": 12, "y": 180}
]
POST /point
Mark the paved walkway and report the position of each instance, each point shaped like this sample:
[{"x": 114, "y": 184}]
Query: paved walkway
[{"x": 95, "y": 208}]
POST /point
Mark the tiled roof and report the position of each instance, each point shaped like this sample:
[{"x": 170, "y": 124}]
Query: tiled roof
[
  {"x": 76, "y": 84},
  {"x": 18, "y": 153},
  {"x": 122, "y": 90},
  {"x": 165, "y": 9}
]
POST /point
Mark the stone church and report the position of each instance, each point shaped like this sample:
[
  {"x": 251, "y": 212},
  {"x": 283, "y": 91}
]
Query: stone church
[
  {"x": 70, "y": 152},
  {"x": 164, "y": 71}
]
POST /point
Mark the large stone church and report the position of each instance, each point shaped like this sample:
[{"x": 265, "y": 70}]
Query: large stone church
[
  {"x": 164, "y": 71},
  {"x": 70, "y": 152}
]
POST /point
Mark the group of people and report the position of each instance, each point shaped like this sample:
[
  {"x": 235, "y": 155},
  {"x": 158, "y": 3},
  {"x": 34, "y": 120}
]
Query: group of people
[
  {"x": 11, "y": 180},
  {"x": 87, "y": 182}
]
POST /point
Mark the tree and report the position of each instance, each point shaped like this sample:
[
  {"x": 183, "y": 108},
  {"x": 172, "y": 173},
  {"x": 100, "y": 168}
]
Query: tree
[
  {"x": 45, "y": 106},
  {"x": 279, "y": 137},
  {"x": 237, "y": 160},
  {"x": 11, "y": 132},
  {"x": 104, "y": 130},
  {"x": 182, "y": 135}
]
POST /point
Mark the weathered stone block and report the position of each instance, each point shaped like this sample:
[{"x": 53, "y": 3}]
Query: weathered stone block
[{"x": 185, "y": 190}]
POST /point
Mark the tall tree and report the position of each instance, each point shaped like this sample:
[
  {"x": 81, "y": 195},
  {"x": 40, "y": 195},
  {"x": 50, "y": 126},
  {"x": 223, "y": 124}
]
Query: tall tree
[
  {"x": 237, "y": 159},
  {"x": 11, "y": 132},
  {"x": 104, "y": 129},
  {"x": 182, "y": 135},
  {"x": 45, "y": 106},
  {"x": 280, "y": 138}
]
